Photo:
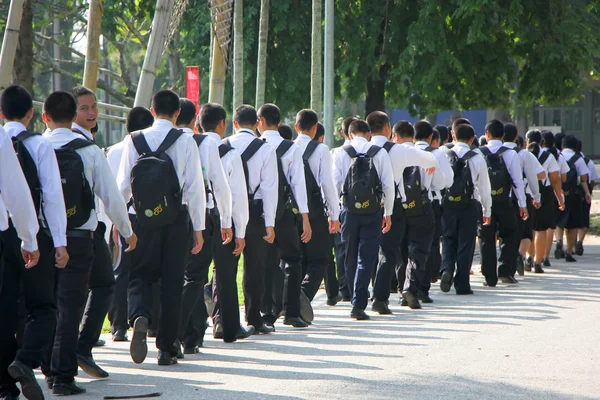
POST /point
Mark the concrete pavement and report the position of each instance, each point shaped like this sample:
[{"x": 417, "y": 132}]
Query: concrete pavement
[{"x": 535, "y": 340}]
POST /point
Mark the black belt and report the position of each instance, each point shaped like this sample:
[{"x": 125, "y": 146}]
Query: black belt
[{"x": 77, "y": 233}]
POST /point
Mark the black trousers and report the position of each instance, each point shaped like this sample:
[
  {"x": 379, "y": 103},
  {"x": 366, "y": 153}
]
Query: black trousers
[
  {"x": 161, "y": 253},
  {"x": 117, "y": 313},
  {"x": 71, "y": 295},
  {"x": 36, "y": 287},
  {"x": 434, "y": 260},
  {"x": 102, "y": 285},
  {"x": 332, "y": 285},
  {"x": 390, "y": 254},
  {"x": 255, "y": 265},
  {"x": 459, "y": 228},
  {"x": 316, "y": 254},
  {"x": 504, "y": 223},
  {"x": 417, "y": 247},
  {"x": 340, "y": 260}
]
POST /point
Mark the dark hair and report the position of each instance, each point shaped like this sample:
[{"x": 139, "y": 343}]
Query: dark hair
[
  {"x": 286, "y": 131},
  {"x": 211, "y": 115},
  {"x": 404, "y": 129},
  {"x": 79, "y": 91},
  {"x": 306, "y": 119},
  {"x": 61, "y": 107},
  {"x": 495, "y": 128},
  {"x": 423, "y": 130},
  {"x": 534, "y": 136},
  {"x": 534, "y": 148},
  {"x": 15, "y": 102},
  {"x": 459, "y": 121},
  {"x": 346, "y": 124},
  {"x": 569, "y": 142},
  {"x": 435, "y": 135},
  {"x": 520, "y": 142},
  {"x": 94, "y": 128},
  {"x": 359, "y": 126},
  {"x": 558, "y": 140},
  {"x": 463, "y": 132},
  {"x": 165, "y": 102},
  {"x": 139, "y": 118},
  {"x": 548, "y": 139},
  {"x": 271, "y": 114},
  {"x": 187, "y": 113},
  {"x": 482, "y": 140},
  {"x": 377, "y": 120},
  {"x": 443, "y": 132},
  {"x": 320, "y": 131},
  {"x": 476, "y": 144},
  {"x": 510, "y": 132},
  {"x": 198, "y": 124},
  {"x": 579, "y": 146},
  {"x": 245, "y": 115}
]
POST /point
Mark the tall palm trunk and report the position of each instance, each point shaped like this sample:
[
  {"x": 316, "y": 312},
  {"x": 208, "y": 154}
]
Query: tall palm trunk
[
  {"x": 238, "y": 53},
  {"x": 90, "y": 70},
  {"x": 316, "y": 65},
  {"x": 10, "y": 42},
  {"x": 263, "y": 37}
]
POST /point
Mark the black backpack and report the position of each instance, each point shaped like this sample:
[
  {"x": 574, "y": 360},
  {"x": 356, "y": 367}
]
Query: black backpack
[
  {"x": 460, "y": 194},
  {"x": 362, "y": 190},
  {"x": 29, "y": 167},
  {"x": 255, "y": 206},
  {"x": 500, "y": 180},
  {"x": 416, "y": 194},
  {"x": 156, "y": 192},
  {"x": 224, "y": 149},
  {"x": 313, "y": 191},
  {"x": 286, "y": 196},
  {"x": 78, "y": 195},
  {"x": 571, "y": 185}
]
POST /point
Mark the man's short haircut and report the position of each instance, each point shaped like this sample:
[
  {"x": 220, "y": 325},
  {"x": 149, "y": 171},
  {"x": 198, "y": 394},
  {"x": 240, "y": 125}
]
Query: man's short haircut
[
  {"x": 320, "y": 131},
  {"x": 443, "y": 132},
  {"x": 423, "y": 130},
  {"x": 306, "y": 119},
  {"x": 359, "y": 127},
  {"x": 245, "y": 115},
  {"x": 211, "y": 115},
  {"x": 378, "y": 120},
  {"x": 79, "y": 91},
  {"x": 165, "y": 102},
  {"x": 476, "y": 144},
  {"x": 510, "y": 132},
  {"x": 579, "y": 146},
  {"x": 286, "y": 131},
  {"x": 463, "y": 132},
  {"x": 271, "y": 114},
  {"x": 187, "y": 113},
  {"x": 548, "y": 138},
  {"x": 558, "y": 139},
  {"x": 495, "y": 128},
  {"x": 459, "y": 121},
  {"x": 346, "y": 124},
  {"x": 15, "y": 102},
  {"x": 404, "y": 129},
  {"x": 534, "y": 136},
  {"x": 61, "y": 107},
  {"x": 482, "y": 140},
  {"x": 436, "y": 135},
  {"x": 139, "y": 118},
  {"x": 569, "y": 142}
]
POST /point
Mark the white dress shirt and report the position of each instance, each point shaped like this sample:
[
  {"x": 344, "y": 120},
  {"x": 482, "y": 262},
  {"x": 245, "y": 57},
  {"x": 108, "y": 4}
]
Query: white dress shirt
[
  {"x": 531, "y": 168},
  {"x": 513, "y": 164},
  {"x": 53, "y": 205},
  {"x": 101, "y": 180},
  {"x": 479, "y": 174},
  {"x": 262, "y": 170},
  {"x": 550, "y": 166},
  {"x": 562, "y": 163},
  {"x": 87, "y": 134},
  {"x": 214, "y": 175},
  {"x": 593, "y": 172},
  {"x": 15, "y": 196},
  {"x": 382, "y": 163},
  {"x": 443, "y": 177},
  {"x": 580, "y": 164},
  {"x": 320, "y": 163}
]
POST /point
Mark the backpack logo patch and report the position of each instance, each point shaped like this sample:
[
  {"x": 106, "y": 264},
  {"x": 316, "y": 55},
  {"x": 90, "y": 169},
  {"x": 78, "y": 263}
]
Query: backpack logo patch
[{"x": 71, "y": 211}]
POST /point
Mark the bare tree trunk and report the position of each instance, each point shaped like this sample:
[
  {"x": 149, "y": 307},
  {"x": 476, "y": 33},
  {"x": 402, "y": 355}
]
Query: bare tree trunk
[
  {"x": 56, "y": 77},
  {"x": 238, "y": 53},
  {"x": 23, "y": 64},
  {"x": 261, "y": 65},
  {"x": 10, "y": 41},
  {"x": 316, "y": 65},
  {"x": 328, "y": 99},
  {"x": 90, "y": 70},
  {"x": 216, "y": 92}
]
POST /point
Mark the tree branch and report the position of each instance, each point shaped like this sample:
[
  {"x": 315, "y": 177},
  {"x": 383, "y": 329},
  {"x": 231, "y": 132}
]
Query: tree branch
[
  {"x": 135, "y": 32},
  {"x": 61, "y": 45}
]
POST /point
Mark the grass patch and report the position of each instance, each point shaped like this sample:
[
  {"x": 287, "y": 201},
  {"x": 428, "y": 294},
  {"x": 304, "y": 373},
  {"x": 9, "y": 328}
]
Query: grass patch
[{"x": 594, "y": 224}]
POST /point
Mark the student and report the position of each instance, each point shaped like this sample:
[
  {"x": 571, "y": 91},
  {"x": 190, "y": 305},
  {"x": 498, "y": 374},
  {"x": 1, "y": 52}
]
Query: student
[
  {"x": 286, "y": 131},
  {"x": 435, "y": 139},
  {"x": 575, "y": 186},
  {"x": 323, "y": 203},
  {"x": 260, "y": 167},
  {"x": 226, "y": 315},
  {"x": 460, "y": 216},
  {"x": 138, "y": 118},
  {"x": 292, "y": 194},
  {"x": 455, "y": 123},
  {"x": 163, "y": 226},
  {"x": 31, "y": 184},
  {"x": 361, "y": 164},
  {"x": 443, "y": 133},
  {"x": 391, "y": 242},
  {"x": 77, "y": 157},
  {"x": 585, "y": 222},
  {"x": 506, "y": 178}
]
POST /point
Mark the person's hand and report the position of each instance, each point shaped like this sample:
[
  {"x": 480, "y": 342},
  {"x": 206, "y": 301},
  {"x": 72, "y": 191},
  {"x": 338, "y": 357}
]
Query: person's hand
[
  {"x": 523, "y": 213},
  {"x": 334, "y": 227},
  {"x": 387, "y": 224},
  {"x": 115, "y": 236},
  {"x": 537, "y": 204},
  {"x": 561, "y": 204},
  {"x": 226, "y": 235},
  {"x": 132, "y": 243},
  {"x": 61, "y": 256},
  {"x": 270, "y": 238},
  {"x": 430, "y": 171},
  {"x": 306, "y": 229},
  {"x": 31, "y": 258},
  {"x": 588, "y": 198},
  {"x": 198, "y": 242},
  {"x": 240, "y": 244},
  {"x": 487, "y": 220}
]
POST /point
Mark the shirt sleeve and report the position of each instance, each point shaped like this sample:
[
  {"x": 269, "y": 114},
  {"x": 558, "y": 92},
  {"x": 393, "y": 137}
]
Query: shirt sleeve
[
  {"x": 532, "y": 168},
  {"x": 484, "y": 188},
  {"x": 562, "y": 162},
  {"x": 269, "y": 185},
  {"x": 582, "y": 168},
  {"x": 419, "y": 158},
  {"x": 219, "y": 184},
  {"x": 239, "y": 194},
  {"x": 52, "y": 194},
  {"x": 328, "y": 189},
  {"x": 516, "y": 173},
  {"x": 593, "y": 172},
  {"x": 338, "y": 172},
  {"x": 295, "y": 175},
  {"x": 386, "y": 174},
  {"x": 193, "y": 184},
  {"x": 127, "y": 161},
  {"x": 445, "y": 168}
]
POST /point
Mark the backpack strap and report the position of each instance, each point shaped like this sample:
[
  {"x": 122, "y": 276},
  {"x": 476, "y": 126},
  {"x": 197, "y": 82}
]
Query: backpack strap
[
  {"x": 310, "y": 149},
  {"x": 449, "y": 145},
  {"x": 283, "y": 148},
  {"x": 429, "y": 149},
  {"x": 350, "y": 150},
  {"x": 199, "y": 139},
  {"x": 170, "y": 140},
  {"x": 77, "y": 144},
  {"x": 485, "y": 151},
  {"x": 224, "y": 149},
  {"x": 372, "y": 152},
  {"x": 251, "y": 149},
  {"x": 543, "y": 157},
  {"x": 574, "y": 158},
  {"x": 517, "y": 149},
  {"x": 140, "y": 143},
  {"x": 502, "y": 150},
  {"x": 21, "y": 137},
  {"x": 468, "y": 155},
  {"x": 388, "y": 146}
]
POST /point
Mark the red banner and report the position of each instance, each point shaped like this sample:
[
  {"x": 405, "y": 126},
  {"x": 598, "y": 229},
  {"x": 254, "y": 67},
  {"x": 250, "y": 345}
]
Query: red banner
[{"x": 192, "y": 84}]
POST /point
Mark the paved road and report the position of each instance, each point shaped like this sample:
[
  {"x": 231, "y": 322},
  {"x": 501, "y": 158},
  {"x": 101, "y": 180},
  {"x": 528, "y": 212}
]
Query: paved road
[{"x": 536, "y": 340}]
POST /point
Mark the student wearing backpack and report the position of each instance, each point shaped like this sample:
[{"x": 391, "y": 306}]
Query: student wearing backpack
[
  {"x": 364, "y": 178},
  {"x": 585, "y": 222},
  {"x": 85, "y": 174},
  {"x": 292, "y": 194},
  {"x": 37, "y": 161},
  {"x": 506, "y": 179},
  {"x": 470, "y": 190},
  {"x": 260, "y": 168}
]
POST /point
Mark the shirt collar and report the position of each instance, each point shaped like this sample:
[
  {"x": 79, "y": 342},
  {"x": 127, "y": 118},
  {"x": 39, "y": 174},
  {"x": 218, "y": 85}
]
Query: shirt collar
[
  {"x": 379, "y": 140},
  {"x": 510, "y": 145},
  {"x": 359, "y": 140},
  {"x": 245, "y": 131},
  {"x": 495, "y": 143},
  {"x": 421, "y": 143},
  {"x": 62, "y": 132},
  {"x": 302, "y": 136},
  {"x": 408, "y": 144},
  {"x": 187, "y": 131},
  {"x": 162, "y": 123},
  {"x": 213, "y": 135},
  {"x": 14, "y": 128},
  {"x": 463, "y": 145},
  {"x": 346, "y": 141},
  {"x": 81, "y": 129},
  {"x": 270, "y": 134}
]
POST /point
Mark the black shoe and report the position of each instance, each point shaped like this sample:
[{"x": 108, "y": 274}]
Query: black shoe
[
  {"x": 89, "y": 366},
  {"x": 244, "y": 333},
  {"x": 100, "y": 343},
  {"x": 558, "y": 251},
  {"x": 306, "y": 310},
  {"x": 403, "y": 302},
  {"x": 528, "y": 264},
  {"x": 520, "y": 265},
  {"x": 538, "y": 269},
  {"x": 411, "y": 299},
  {"x": 191, "y": 350},
  {"x": 24, "y": 375},
  {"x": 66, "y": 389},
  {"x": 218, "y": 331},
  {"x": 570, "y": 258},
  {"x": 295, "y": 322},
  {"x": 446, "y": 282},
  {"x": 359, "y": 314},
  {"x": 487, "y": 284},
  {"x": 579, "y": 248},
  {"x": 334, "y": 300},
  {"x": 263, "y": 329},
  {"x": 50, "y": 382},
  {"x": 120, "y": 336},
  {"x": 165, "y": 358},
  {"x": 152, "y": 333},
  {"x": 10, "y": 397},
  {"x": 464, "y": 292},
  {"x": 177, "y": 350},
  {"x": 380, "y": 307},
  {"x": 509, "y": 280},
  {"x": 546, "y": 262},
  {"x": 425, "y": 299},
  {"x": 139, "y": 346}
]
